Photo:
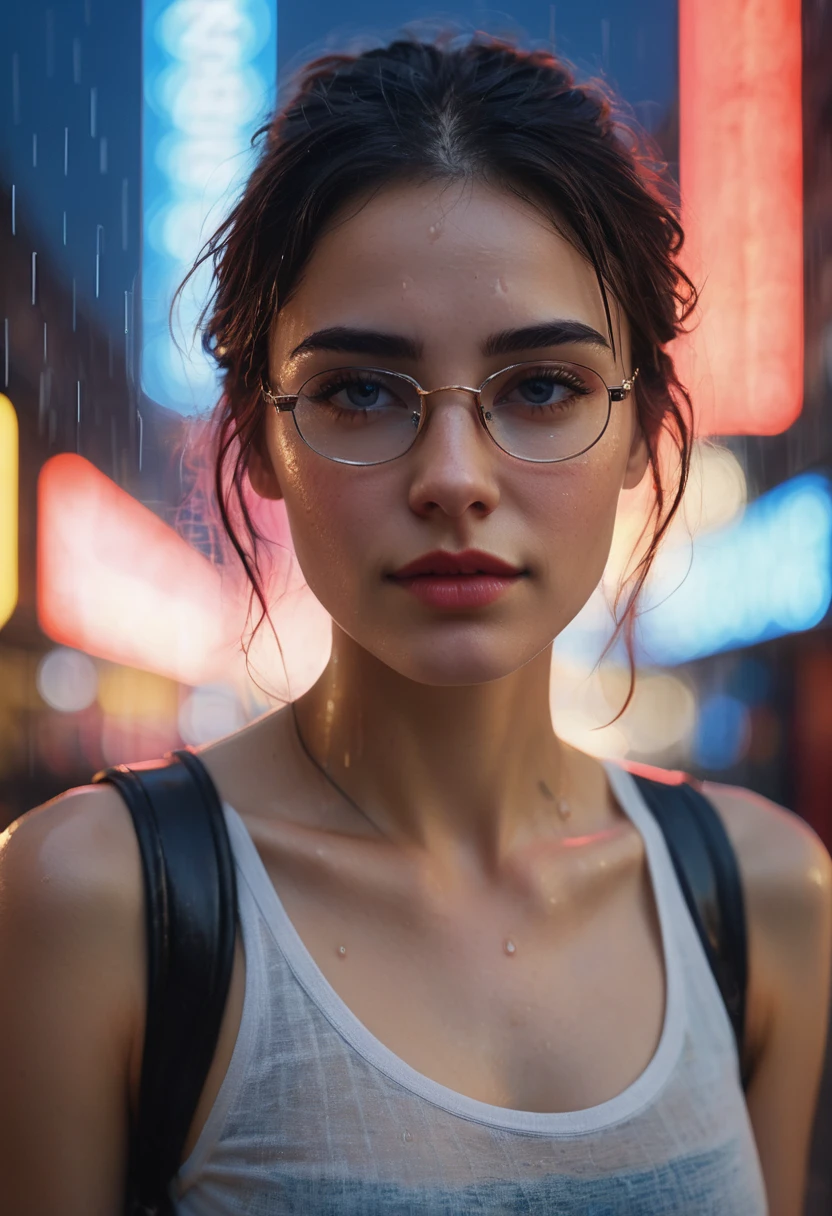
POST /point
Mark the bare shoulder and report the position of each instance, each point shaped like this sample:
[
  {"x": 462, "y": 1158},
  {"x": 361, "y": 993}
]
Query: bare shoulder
[
  {"x": 77, "y": 852},
  {"x": 71, "y": 874},
  {"x": 787, "y": 879},
  {"x": 782, "y": 859},
  {"x": 72, "y": 960}
]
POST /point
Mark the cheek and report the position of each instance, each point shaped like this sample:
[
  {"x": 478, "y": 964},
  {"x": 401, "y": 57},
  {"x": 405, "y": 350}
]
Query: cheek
[
  {"x": 572, "y": 515},
  {"x": 333, "y": 515}
]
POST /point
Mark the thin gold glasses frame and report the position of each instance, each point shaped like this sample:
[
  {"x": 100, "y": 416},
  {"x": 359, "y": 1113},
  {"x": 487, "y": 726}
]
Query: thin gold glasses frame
[{"x": 286, "y": 402}]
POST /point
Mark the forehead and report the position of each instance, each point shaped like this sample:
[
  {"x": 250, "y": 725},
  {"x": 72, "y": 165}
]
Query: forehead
[{"x": 441, "y": 262}]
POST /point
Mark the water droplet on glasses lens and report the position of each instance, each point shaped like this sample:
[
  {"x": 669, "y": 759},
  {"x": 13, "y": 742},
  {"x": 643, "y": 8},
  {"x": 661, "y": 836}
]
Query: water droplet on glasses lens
[
  {"x": 342, "y": 951},
  {"x": 509, "y": 946},
  {"x": 406, "y": 1137}
]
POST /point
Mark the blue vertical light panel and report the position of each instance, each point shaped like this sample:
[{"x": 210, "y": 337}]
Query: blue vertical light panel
[{"x": 210, "y": 69}]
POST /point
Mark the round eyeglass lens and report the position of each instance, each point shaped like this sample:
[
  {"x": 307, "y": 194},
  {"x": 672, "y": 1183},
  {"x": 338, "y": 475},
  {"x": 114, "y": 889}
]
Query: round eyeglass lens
[
  {"x": 536, "y": 411},
  {"x": 546, "y": 411},
  {"x": 358, "y": 415}
]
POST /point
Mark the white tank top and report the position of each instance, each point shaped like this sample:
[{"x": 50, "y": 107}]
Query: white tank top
[{"x": 316, "y": 1117}]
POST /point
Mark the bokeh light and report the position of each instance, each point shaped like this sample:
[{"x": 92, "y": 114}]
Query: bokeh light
[
  {"x": 723, "y": 732},
  {"x": 67, "y": 680},
  {"x": 209, "y": 713}
]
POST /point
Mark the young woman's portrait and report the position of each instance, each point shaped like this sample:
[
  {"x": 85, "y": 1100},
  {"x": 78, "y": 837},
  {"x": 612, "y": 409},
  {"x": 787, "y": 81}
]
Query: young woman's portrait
[{"x": 399, "y": 945}]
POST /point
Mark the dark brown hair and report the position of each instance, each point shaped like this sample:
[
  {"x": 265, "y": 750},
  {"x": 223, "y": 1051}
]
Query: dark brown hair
[{"x": 435, "y": 110}]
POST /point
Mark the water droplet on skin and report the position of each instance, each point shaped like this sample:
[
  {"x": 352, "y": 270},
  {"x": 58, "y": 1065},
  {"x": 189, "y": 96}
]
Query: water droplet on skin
[
  {"x": 509, "y": 946},
  {"x": 346, "y": 759},
  {"x": 342, "y": 951},
  {"x": 406, "y": 1137}
]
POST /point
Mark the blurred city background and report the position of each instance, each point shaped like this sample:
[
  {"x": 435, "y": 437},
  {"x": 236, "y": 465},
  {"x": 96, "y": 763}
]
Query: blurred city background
[{"x": 124, "y": 135}]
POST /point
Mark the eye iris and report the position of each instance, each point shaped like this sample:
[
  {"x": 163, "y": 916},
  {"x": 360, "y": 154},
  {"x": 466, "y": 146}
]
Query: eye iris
[
  {"x": 362, "y": 393},
  {"x": 537, "y": 392}
]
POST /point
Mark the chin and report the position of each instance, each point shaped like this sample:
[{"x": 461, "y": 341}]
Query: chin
[{"x": 455, "y": 661}]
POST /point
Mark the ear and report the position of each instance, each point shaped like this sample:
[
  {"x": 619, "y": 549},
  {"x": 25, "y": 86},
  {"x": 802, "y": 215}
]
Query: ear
[
  {"x": 639, "y": 457},
  {"x": 261, "y": 472}
]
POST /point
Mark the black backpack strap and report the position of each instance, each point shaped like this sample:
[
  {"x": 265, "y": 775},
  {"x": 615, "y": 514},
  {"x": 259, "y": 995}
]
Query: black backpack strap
[
  {"x": 706, "y": 867},
  {"x": 190, "y": 913}
]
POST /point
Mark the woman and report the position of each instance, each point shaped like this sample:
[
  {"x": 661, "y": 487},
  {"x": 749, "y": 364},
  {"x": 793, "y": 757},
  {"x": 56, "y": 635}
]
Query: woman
[{"x": 465, "y": 978}]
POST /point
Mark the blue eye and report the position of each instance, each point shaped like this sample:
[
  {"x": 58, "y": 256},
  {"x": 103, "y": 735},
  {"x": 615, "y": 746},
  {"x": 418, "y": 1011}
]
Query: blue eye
[
  {"x": 361, "y": 393},
  {"x": 539, "y": 391}
]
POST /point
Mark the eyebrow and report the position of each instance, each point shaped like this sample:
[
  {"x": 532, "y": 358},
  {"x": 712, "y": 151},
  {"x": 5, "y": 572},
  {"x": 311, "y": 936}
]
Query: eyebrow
[{"x": 347, "y": 340}]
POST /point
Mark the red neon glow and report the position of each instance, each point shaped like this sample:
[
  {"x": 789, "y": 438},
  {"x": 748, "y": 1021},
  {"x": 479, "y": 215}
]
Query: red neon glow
[
  {"x": 742, "y": 206},
  {"x": 116, "y": 581}
]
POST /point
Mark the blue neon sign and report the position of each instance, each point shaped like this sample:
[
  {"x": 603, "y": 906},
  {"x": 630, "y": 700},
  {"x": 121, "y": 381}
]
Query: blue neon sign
[
  {"x": 766, "y": 575},
  {"x": 210, "y": 70}
]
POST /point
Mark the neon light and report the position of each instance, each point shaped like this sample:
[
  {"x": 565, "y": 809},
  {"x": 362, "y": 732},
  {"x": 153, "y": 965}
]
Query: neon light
[
  {"x": 115, "y": 581},
  {"x": 8, "y": 509},
  {"x": 767, "y": 575},
  {"x": 741, "y": 175},
  {"x": 210, "y": 69}
]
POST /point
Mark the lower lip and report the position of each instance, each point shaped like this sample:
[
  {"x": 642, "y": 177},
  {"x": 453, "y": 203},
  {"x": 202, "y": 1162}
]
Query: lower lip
[{"x": 458, "y": 590}]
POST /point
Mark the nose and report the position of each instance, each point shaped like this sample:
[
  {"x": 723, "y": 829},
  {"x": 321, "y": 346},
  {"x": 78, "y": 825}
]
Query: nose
[{"x": 454, "y": 461}]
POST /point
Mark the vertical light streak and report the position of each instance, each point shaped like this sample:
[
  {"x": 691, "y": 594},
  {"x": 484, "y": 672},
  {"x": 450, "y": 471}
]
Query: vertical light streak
[{"x": 210, "y": 70}]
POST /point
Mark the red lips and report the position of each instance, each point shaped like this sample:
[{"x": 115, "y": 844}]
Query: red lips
[{"x": 470, "y": 561}]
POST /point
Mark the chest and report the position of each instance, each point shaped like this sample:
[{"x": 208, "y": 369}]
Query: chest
[
  {"x": 514, "y": 1005},
  {"x": 551, "y": 1003}
]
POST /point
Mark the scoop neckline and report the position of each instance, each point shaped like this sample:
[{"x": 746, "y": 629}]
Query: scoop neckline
[{"x": 638, "y": 1094}]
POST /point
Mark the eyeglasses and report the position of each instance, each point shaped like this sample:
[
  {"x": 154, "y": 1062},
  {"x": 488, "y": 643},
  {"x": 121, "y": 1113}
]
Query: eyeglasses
[{"x": 543, "y": 412}]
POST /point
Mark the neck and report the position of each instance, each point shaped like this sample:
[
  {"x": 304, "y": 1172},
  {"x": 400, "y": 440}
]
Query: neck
[{"x": 475, "y": 769}]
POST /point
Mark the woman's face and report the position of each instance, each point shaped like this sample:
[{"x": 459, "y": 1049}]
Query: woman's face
[{"x": 447, "y": 268}]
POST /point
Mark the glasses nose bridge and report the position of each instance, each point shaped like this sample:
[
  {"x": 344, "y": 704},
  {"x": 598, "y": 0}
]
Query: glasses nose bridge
[{"x": 445, "y": 388}]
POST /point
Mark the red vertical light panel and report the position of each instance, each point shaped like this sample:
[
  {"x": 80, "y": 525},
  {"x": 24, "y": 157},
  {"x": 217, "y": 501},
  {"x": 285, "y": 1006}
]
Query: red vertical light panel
[{"x": 741, "y": 176}]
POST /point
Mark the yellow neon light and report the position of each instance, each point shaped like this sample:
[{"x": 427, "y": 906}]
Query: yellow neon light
[{"x": 8, "y": 509}]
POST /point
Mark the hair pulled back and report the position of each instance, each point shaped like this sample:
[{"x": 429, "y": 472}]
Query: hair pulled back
[{"x": 435, "y": 110}]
